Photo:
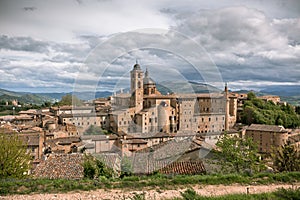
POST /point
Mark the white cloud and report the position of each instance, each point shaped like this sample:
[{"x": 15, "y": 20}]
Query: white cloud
[{"x": 63, "y": 21}]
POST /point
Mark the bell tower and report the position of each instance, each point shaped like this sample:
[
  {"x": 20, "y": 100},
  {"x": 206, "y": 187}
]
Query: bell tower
[
  {"x": 226, "y": 108},
  {"x": 136, "y": 87}
]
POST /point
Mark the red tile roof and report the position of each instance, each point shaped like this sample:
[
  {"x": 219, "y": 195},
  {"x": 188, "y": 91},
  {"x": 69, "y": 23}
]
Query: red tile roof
[{"x": 65, "y": 166}]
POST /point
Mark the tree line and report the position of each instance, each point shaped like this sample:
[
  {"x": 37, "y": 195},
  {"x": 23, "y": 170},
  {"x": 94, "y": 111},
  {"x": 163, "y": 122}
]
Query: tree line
[{"x": 258, "y": 111}]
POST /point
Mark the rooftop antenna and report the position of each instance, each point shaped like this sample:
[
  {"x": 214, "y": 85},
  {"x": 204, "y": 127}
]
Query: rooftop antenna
[{"x": 136, "y": 61}]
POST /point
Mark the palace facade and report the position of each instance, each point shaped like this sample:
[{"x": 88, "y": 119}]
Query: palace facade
[{"x": 145, "y": 111}]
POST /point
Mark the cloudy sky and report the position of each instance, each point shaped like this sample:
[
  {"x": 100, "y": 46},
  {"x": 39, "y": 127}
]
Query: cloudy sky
[{"x": 54, "y": 45}]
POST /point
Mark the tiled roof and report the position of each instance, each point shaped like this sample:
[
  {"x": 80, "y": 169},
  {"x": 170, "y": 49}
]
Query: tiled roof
[
  {"x": 98, "y": 137},
  {"x": 65, "y": 166},
  {"x": 267, "y": 128},
  {"x": 187, "y": 168},
  {"x": 134, "y": 141},
  {"x": 30, "y": 139},
  {"x": 112, "y": 160},
  {"x": 158, "y": 156}
]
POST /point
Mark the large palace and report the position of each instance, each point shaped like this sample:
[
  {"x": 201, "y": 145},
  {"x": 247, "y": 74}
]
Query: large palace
[{"x": 146, "y": 111}]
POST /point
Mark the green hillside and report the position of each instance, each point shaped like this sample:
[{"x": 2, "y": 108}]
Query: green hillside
[
  {"x": 180, "y": 87},
  {"x": 25, "y": 98}
]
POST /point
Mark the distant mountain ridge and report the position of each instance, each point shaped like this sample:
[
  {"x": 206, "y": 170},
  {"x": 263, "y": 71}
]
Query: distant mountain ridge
[
  {"x": 40, "y": 98},
  {"x": 189, "y": 87},
  {"x": 290, "y": 94}
]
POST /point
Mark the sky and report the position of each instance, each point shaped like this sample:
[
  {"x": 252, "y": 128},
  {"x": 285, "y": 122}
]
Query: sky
[{"x": 62, "y": 46}]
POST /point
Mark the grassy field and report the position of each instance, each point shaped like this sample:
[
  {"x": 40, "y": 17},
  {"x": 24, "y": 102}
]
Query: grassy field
[
  {"x": 292, "y": 194},
  {"x": 27, "y": 186}
]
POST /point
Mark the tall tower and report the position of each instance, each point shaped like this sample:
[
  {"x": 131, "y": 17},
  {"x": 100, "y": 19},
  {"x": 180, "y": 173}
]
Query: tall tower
[
  {"x": 226, "y": 108},
  {"x": 149, "y": 85},
  {"x": 136, "y": 87}
]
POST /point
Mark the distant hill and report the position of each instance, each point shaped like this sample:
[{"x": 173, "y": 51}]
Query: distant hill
[
  {"x": 288, "y": 93},
  {"x": 81, "y": 95},
  {"x": 164, "y": 88},
  {"x": 186, "y": 87},
  {"x": 40, "y": 98},
  {"x": 10, "y": 93},
  {"x": 25, "y": 98},
  {"x": 282, "y": 90}
]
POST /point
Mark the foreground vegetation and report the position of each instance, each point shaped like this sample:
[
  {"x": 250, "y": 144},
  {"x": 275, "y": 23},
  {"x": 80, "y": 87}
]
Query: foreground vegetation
[
  {"x": 27, "y": 186},
  {"x": 279, "y": 194}
]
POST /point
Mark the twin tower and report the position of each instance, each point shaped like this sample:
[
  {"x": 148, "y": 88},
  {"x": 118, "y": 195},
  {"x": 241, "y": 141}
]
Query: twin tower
[{"x": 140, "y": 86}]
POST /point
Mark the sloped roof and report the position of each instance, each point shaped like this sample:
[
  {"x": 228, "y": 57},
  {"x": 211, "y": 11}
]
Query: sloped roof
[
  {"x": 266, "y": 128},
  {"x": 65, "y": 166},
  {"x": 186, "y": 168}
]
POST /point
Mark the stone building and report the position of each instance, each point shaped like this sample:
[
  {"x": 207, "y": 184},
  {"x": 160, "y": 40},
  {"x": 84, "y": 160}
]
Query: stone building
[
  {"x": 146, "y": 111},
  {"x": 267, "y": 137}
]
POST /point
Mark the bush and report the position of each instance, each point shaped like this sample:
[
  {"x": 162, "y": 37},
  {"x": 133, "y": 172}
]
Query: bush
[
  {"x": 287, "y": 193},
  {"x": 189, "y": 194},
  {"x": 94, "y": 168}
]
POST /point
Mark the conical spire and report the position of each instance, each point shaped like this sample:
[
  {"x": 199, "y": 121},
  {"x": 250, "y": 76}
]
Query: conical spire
[
  {"x": 147, "y": 79},
  {"x": 146, "y": 73}
]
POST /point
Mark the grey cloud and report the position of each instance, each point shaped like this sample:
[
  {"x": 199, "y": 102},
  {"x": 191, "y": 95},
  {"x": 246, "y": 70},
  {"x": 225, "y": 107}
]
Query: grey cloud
[
  {"x": 23, "y": 44},
  {"x": 245, "y": 44}
]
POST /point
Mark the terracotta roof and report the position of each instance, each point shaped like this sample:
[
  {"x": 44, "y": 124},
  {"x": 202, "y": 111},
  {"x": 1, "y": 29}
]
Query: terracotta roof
[
  {"x": 63, "y": 141},
  {"x": 92, "y": 114},
  {"x": 30, "y": 111},
  {"x": 30, "y": 139},
  {"x": 266, "y": 128},
  {"x": 24, "y": 117},
  {"x": 65, "y": 166},
  {"x": 134, "y": 141},
  {"x": 98, "y": 137},
  {"x": 187, "y": 168}
]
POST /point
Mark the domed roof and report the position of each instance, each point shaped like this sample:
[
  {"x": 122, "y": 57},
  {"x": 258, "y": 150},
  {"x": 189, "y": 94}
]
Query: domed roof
[
  {"x": 136, "y": 67},
  {"x": 147, "y": 80}
]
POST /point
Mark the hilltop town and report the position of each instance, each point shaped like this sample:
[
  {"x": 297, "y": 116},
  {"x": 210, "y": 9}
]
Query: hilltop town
[{"x": 156, "y": 132}]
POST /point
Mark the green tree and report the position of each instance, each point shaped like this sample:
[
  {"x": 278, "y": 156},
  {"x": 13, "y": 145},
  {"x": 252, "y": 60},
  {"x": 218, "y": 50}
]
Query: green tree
[
  {"x": 251, "y": 96},
  {"x": 95, "y": 167},
  {"x": 236, "y": 154},
  {"x": 93, "y": 130},
  {"x": 286, "y": 158},
  {"x": 126, "y": 167},
  {"x": 266, "y": 112},
  {"x": 14, "y": 159},
  {"x": 69, "y": 99}
]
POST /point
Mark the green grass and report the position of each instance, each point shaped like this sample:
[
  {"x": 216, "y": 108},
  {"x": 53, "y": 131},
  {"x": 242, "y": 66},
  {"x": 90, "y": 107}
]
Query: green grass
[
  {"x": 27, "y": 186},
  {"x": 292, "y": 194}
]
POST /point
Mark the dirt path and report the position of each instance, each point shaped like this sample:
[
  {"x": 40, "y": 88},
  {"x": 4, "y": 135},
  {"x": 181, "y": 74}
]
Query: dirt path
[{"x": 207, "y": 190}]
